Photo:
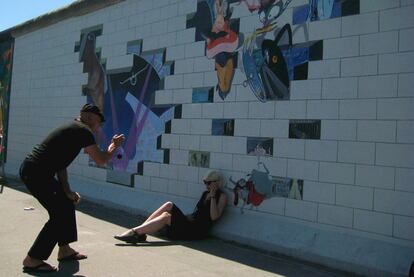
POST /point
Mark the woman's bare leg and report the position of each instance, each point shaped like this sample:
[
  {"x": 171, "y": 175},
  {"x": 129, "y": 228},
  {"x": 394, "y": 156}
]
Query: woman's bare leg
[
  {"x": 154, "y": 224},
  {"x": 166, "y": 207}
]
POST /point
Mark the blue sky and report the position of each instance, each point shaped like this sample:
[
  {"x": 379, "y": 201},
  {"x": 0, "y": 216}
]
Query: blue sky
[{"x": 14, "y": 12}]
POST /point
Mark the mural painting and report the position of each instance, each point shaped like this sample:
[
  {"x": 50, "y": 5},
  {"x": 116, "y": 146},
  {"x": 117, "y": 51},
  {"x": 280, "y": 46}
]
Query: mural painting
[
  {"x": 127, "y": 100},
  {"x": 199, "y": 159},
  {"x": 6, "y": 56},
  {"x": 260, "y": 146},
  {"x": 259, "y": 185}
]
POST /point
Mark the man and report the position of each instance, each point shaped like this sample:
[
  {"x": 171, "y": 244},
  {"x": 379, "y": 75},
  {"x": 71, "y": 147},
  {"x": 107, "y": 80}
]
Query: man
[{"x": 50, "y": 158}]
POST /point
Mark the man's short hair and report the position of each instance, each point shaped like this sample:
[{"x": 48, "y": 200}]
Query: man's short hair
[{"x": 90, "y": 108}]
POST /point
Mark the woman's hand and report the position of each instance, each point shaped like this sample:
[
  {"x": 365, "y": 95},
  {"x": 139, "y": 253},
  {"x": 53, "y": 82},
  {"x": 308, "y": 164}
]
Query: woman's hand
[{"x": 74, "y": 196}]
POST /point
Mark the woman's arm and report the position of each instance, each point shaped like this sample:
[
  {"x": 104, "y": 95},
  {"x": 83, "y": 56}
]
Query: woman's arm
[{"x": 216, "y": 209}]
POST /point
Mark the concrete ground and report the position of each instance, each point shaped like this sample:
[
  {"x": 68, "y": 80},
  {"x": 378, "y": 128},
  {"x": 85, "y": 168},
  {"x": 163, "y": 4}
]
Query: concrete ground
[{"x": 109, "y": 257}]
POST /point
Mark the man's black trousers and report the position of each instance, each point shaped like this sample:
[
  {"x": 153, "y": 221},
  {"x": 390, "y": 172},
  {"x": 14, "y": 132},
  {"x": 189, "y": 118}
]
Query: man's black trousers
[{"x": 61, "y": 226}]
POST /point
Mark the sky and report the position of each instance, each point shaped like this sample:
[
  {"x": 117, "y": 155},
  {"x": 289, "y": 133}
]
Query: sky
[{"x": 14, "y": 12}]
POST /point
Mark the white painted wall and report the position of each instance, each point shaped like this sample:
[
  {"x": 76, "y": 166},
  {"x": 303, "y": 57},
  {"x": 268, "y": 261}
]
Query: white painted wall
[{"x": 358, "y": 208}]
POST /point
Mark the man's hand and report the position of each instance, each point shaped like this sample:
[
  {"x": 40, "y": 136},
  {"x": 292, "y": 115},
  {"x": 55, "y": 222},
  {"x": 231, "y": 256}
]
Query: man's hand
[
  {"x": 74, "y": 196},
  {"x": 117, "y": 140}
]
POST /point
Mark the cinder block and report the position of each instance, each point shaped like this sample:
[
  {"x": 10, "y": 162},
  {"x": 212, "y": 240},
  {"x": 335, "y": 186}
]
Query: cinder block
[
  {"x": 375, "y": 176},
  {"x": 174, "y": 81},
  {"x": 394, "y": 202},
  {"x": 301, "y": 209},
  {"x": 186, "y": 36},
  {"x": 376, "y": 131},
  {"x": 356, "y": 152},
  {"x": 151, "y": 169},
  {"x": 384, "y": 42},
  {"x": 337, "y": 173},
  {"x": 163, "y": 97},
  {"x": 396, "y": 63},
  {"x": 378, "y": 86},
  {"x": 247, "y": 127},
  {"x": 359, "y": 66},
  {"x": 274, "y": 205},
  {"x": 321, "y": 150},
  {"x": 181, "y": 96},
  {"x": 360, "y": 24},
  {"x": 189, "y": 142},
  {"x": 340, "y": 88},
  {"x": 338, "y": 129},
  {"x": 244, "y": 163},
  {"x": 202, "y": 64},
  {"x": 323, "y": 29},
  {"x": 211, "y": 143},
  {"x": 212, "y": 110},
  {"x": 324, "y": 69},
  {"x": 396, "y": 108},
  {"x": 177, "y": 188},
  {"x": 142, "y": 182},
  {"x": 221, "y": 161},
  {"x": 169, "y": 171},
  {"x": 210, "y": 79},
  {"x": 341, "y": 47},
  {"x": 200, "y": 126},
  {"x": 177, "y": 23},
  {"x": 180, "y": 126},
  {"x": 175, "y": 52},
  {"x": 377, "y": 5},
  {"x": 289, "y": 148},
  {"x": 394, "y": 19},
  {"x": 276, "y": 166},
  {"x": 170, "y": 141},
  {"x": 262, "y": 110},
  {"x": 302, "y": 169},
  {"x": 334, "y": 215},
  {"x": 179, "y": 157},
  {"x": 159, "y": 184},
  {"x": 322, "y": 109},
  {"x": 193, "y": 80},
  {"x": 400, "y": 155},
  {"x": 187, "y": 6},
  {"x": 235, "y": 145},
  {"x": 373, "y": 222},
  {"x": 169, "y": 11},
  {"x": 236, "y": 110},
  {"x": 407, "y": 3},
  {"x": 188, "y": 173},
  {"x": 195, "y": 49},
  {"x": 191, "y": 110},
  {"x": 274, "y": 128},
  {"x": 405, "y": 85},
  {"x": 319, "y": 192},
  {"x": 168, "y": 40},
  {"x": 354, "y": 196},
  {"x": 358, "y": 109},
  {"x": 403, "y": 227},
  {"x": 406, "y": 42},
  {"x": 291, "y": 109},
  {"x": 305, "y": 89},
  {"x": 404, "y": 179},
  {"x": 184, "y": 66}
]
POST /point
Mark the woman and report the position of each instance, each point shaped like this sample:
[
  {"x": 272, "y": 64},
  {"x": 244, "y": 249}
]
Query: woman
[{"x": 209, "y": 208}]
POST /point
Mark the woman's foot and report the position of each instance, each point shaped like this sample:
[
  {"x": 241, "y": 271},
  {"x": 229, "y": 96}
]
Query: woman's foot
[
  {"x": 35, "y": 265},
  {"x": 131, "y": 236}
]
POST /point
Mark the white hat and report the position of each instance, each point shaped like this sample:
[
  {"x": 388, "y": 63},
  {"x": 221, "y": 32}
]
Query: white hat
[{"x": 215, "y": 176}]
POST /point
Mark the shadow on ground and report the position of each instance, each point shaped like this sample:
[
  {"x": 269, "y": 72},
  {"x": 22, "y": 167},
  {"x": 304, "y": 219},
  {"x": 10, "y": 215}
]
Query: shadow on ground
[{"x": 257, "y": 258}]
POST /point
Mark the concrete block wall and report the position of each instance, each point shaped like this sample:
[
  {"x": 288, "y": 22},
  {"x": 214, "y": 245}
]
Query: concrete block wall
[{"x": 358, "y": 178}]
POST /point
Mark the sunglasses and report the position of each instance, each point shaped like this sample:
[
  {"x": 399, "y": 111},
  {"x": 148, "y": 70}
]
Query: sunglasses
[{"x": 209, "y": 182}]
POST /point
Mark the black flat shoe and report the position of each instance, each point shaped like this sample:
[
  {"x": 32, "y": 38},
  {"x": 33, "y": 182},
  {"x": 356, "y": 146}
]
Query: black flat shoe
[{"x": 134, "y": 238}]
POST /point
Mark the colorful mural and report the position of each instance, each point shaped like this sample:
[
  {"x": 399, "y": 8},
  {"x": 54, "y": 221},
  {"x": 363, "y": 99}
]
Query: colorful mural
[
  {"x": 259, "y": 185},
  {"x": 6, "y": 57},
  {"x": 127, "y": 100}
]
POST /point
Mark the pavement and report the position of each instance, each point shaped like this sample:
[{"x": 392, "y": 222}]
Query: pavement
[{"x": 108, "y": 257}]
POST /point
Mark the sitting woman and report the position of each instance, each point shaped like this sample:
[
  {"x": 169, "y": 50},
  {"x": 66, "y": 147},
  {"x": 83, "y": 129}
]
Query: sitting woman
[{"x": 179, "y": 226}]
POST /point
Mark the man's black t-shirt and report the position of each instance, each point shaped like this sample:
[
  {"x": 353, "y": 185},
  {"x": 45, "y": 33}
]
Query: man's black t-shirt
[{"x": 61, "y": 146}]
